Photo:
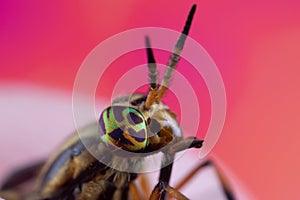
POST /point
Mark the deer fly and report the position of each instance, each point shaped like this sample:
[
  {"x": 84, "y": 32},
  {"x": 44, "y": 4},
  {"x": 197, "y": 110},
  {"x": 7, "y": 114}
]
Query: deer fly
[{"x": 135, "y": 123}]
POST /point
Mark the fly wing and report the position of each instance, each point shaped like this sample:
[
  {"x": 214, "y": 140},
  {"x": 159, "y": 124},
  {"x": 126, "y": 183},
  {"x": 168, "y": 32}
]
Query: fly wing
[{"x": 19, "y": 181}]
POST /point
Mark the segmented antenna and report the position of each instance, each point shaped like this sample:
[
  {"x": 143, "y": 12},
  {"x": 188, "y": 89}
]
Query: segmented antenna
[
  {"x": 175, "y": 56},
  {"x": 153, "y": 75}
]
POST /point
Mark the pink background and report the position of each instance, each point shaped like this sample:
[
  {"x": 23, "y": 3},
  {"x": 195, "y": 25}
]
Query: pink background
[{"x": 254, "y": 43}]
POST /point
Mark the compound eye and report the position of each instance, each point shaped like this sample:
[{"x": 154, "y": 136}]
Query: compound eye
[{"x": 123, "y": 127}]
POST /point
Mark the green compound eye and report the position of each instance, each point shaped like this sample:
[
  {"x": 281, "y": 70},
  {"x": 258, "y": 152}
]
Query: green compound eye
[{"x": 123, "y": 127}]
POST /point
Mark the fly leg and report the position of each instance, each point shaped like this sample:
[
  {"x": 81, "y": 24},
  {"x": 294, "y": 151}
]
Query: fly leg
[
  {"x": 226, "y": 189},
  {"x": 162, "y": 189}
]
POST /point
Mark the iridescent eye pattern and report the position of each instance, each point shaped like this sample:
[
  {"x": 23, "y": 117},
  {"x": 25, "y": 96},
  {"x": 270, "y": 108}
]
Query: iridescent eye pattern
[{"x": 123, "y": 127}]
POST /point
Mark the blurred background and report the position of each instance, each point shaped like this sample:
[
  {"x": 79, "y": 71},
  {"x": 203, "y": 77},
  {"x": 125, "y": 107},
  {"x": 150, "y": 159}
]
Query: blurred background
[{"x": 255, "y": 45}]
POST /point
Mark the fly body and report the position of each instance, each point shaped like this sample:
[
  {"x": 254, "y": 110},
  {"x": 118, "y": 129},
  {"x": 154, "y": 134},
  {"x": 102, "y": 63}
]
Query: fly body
[{"x": 132, "y": 127}]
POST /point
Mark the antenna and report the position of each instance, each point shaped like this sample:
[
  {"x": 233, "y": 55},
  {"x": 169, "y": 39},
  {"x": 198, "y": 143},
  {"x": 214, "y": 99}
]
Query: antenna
[
  {"x": 153, "y": 75},
  {"x": 175, "y": 56}
]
